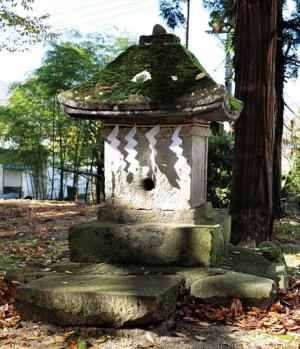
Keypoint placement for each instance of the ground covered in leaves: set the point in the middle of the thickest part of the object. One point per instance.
(35, 233)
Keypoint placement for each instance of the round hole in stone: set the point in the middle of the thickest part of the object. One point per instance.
(148, 184)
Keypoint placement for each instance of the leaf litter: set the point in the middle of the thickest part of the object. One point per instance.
(47, 220)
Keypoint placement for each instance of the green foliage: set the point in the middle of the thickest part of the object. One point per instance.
(25, 122)
(10, 156)
(37, 128)
(64, 66)
(221, 14)
(171, 11)
(286, 230)
(21, 30)
(219, 172)
(272, 253)
(293, 178)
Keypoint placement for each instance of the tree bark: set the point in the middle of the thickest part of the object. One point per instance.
(279, 85)
(255, 52)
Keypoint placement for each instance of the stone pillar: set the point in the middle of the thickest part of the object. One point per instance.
(161, 167)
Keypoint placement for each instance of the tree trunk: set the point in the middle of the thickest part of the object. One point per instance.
(255, 51)
(62, 163)
(279, 85)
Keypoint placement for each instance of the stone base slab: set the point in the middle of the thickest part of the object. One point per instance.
(73, 294)
(221, 289)
(71, 300)
(151, 244)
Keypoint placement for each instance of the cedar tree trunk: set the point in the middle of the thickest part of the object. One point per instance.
(279, 85)
(255, 53)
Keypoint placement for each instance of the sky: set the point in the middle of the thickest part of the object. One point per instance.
(136, 17)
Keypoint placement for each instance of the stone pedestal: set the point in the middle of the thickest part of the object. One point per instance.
(162, 243)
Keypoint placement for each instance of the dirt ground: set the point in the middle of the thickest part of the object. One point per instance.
(35, 233)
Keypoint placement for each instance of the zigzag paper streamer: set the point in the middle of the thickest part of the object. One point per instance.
(132, 153)
(152, 141)
(176, 147)
(115, 155)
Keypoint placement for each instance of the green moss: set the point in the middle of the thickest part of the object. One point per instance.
(234, 103)
(287, 230)
(273, 254)
(162, 61)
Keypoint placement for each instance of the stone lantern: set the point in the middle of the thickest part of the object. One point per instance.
(156, 230)
(155, 101)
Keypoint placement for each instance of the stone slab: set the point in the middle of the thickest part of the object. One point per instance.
(250, 289)
(190, 275)
(70, 300)
(149, 244)
(249, 261)
(244, 261)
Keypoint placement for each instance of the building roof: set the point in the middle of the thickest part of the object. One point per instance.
(157, 81)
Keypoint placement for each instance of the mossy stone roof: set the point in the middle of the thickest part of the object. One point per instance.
(158, 79)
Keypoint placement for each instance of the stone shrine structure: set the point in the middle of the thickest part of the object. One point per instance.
(156, 231)
(155, 102)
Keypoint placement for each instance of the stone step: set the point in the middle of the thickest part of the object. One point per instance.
(70, 300)
(203, 244)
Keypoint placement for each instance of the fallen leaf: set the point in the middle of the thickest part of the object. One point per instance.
(200, 76)
(200, 338)
(104, 88)
(296, 285)
(68, 334)
(57, 346)
(174, 77)
(181, 335)
(73, 344)
(204, 324)
(103, 339)
(256, 309)
(277, 307)
(150, 338)
(231, 335)
(59, 338)
(236, 307)
(145, 345)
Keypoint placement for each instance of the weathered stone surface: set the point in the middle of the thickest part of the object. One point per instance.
(252, 262)
(155, 39)
(99, 300)
(251, 290)
(198, 215)
(181, 187)
(159, 244)
(162, 100)
(190, 275)
(281, 273)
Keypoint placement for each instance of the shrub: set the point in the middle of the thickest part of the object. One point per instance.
(219, 172)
